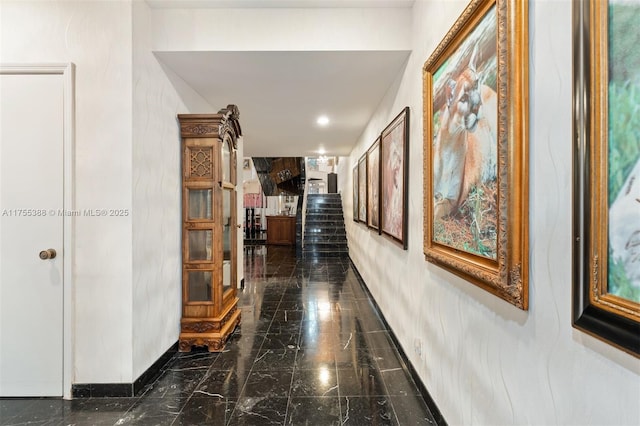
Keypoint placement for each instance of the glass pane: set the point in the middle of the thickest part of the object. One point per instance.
(199, 286)
(200, 244)
(226, 161)
(200, 203)
(226, 275)
(227, 227)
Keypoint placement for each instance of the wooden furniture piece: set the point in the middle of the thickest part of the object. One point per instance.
(281, 230)
(209, 255)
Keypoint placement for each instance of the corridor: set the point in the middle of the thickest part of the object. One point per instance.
(311, 349)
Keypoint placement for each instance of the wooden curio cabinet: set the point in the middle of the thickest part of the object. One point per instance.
(209, 256)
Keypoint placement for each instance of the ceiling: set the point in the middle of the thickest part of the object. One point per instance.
(281, 94)
(277, 3)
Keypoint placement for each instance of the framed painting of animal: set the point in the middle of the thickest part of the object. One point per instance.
(606, 252)
(373, 188)
(394, 166)
(362, 189)
(355, 193)
(476, 149)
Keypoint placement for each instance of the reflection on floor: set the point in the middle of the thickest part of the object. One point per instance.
(310, 350)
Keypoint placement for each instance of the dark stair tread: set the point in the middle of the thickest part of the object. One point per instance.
(314, 209)
(324, 249)
(325, 231)
(326, 243)
(340, 240)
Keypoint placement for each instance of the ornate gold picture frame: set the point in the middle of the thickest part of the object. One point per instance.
(606, 257)
(476, 149)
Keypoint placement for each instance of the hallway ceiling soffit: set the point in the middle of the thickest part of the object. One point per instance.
(281, 94)
(206, 4)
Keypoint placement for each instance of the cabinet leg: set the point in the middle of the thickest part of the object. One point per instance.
(214, 345)
(185, 345)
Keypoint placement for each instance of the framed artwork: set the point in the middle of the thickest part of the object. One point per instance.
(312, 164)
(476, 149)
(373, 187)
(394, 166)
(362, 189)
(355, 193)
(245, 164)
(606, 253)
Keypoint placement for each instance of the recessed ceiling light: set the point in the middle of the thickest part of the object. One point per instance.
(321, 151)
(323, 120)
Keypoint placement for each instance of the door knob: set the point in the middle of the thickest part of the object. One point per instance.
(47, 254)
(239, 226)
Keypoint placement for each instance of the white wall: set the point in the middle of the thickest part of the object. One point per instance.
(484, 361)
(281, 29)
(157, 267)
(158, 96)
(96, 36)
(127, 269)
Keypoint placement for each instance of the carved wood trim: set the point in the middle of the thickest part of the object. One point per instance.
(198, 130)
(200, 327)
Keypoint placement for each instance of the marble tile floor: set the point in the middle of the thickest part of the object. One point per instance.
(311, 349)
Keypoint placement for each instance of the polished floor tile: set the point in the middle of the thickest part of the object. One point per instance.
(311, 349)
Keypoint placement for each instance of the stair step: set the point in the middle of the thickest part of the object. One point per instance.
(322, 208)
(325, 253)
(315, 217)
(324, 241)
(313, 211)
(325, 248)
(324, 229)
(335, 213)
(343, 247)
(321, 238)
(324, 201)
(323, 226)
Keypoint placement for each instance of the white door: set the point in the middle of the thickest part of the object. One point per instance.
(31, 221)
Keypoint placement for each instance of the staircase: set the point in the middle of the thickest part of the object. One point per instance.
(324, 233)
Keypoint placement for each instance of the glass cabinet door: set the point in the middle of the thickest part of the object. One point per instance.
(228, 238)
(226, 160)
(228, 215)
